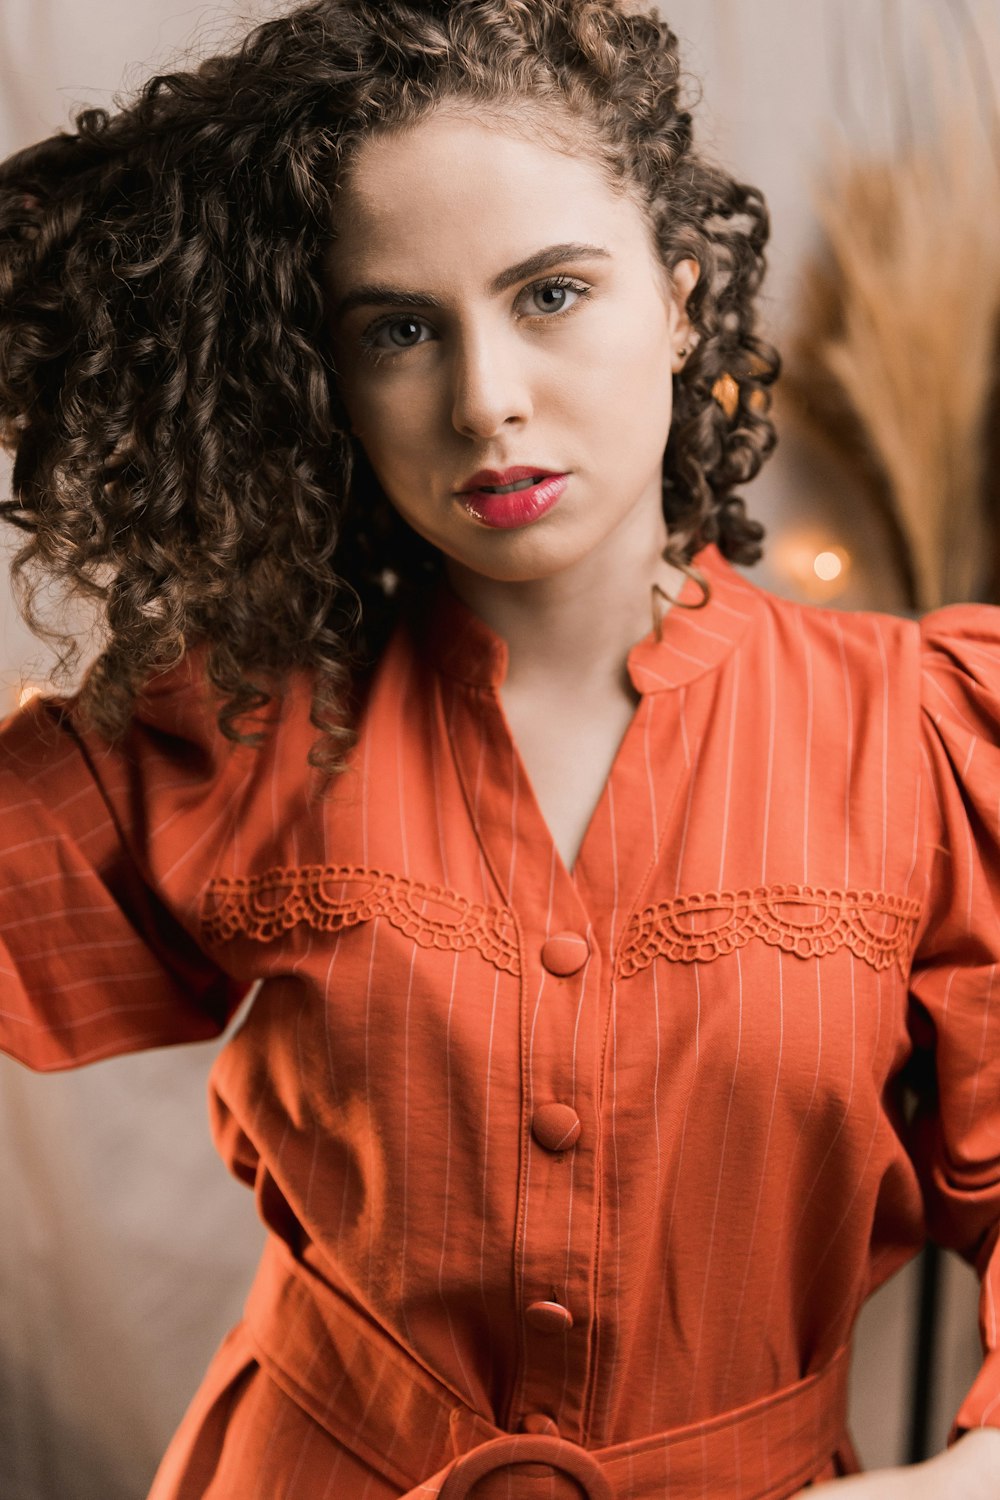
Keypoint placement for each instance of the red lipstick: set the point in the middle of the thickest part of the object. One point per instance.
(515, 507)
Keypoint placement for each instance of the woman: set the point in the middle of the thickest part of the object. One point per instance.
(625, 1015)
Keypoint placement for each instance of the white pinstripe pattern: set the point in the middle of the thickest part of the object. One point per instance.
(698, 1345)
(72, 913)
(657, 1127)
(978, 1070)
(884, 663)
(376, 932)
(793, 1155)
(613, 1356)
(467, 1380)
(401, 800)
(484, 1200)
(650, 779)
(848, 1206)
(727, 1371)
(772, 719)
(844, 1117)
(388, 1088)
(484, 873)
(807, 796)
(406, 1212)
(691, 783)
(723, 842)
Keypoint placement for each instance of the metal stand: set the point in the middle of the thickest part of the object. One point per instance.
(924, 1354)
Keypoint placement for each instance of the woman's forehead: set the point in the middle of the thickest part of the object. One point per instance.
(452, 151)
(449, 183)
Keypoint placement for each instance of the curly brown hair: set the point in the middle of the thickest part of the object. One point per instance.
(166, 384)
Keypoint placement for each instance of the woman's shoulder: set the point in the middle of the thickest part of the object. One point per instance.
(797, 635)
(960, 671)
(182, 698)
(936, 677)
(954, 639)
(176, 738)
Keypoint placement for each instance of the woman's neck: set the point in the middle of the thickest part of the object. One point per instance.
(575, 627)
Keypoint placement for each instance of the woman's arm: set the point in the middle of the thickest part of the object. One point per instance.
(103, 852)
(968, 1470)
(952, 1136)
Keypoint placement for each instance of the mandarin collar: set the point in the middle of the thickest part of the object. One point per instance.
(690, 642)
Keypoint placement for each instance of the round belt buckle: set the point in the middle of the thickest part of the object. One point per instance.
(502, 1452)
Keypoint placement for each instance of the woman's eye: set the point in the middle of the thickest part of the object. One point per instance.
(400, 333)
(396, 335)
(555, 291)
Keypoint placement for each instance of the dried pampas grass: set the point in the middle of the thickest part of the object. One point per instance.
(895, 355)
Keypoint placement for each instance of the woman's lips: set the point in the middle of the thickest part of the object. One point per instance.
(517, 508)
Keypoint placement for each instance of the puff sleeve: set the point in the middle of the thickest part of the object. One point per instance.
(100, 853)
(955, 976)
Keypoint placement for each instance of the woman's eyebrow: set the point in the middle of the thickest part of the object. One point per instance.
(374, 293)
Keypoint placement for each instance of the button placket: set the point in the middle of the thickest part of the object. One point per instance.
(559, 1232)
(555, 1237)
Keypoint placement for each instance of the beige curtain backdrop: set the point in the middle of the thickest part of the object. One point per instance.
(125, 1249)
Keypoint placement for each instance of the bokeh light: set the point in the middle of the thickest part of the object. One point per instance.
(827, 566)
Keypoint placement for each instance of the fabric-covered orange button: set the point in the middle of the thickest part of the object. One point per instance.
(538, 1421)
(549, 1317)
(565, 952)
(555, 1126)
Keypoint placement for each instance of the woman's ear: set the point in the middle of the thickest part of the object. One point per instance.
(683, 279)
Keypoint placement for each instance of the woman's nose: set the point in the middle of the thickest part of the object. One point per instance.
(490, 385)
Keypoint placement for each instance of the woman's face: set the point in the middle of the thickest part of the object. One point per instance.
(455, 355)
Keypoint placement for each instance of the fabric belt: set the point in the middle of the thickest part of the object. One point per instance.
(378, 1399)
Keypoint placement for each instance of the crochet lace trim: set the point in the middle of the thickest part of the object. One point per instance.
(808, 921)
(802, 919)
(331, 898)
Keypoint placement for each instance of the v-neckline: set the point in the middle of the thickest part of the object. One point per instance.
(610, 868)
(529, 790)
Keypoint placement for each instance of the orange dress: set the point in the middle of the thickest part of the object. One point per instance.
(575, 1180)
